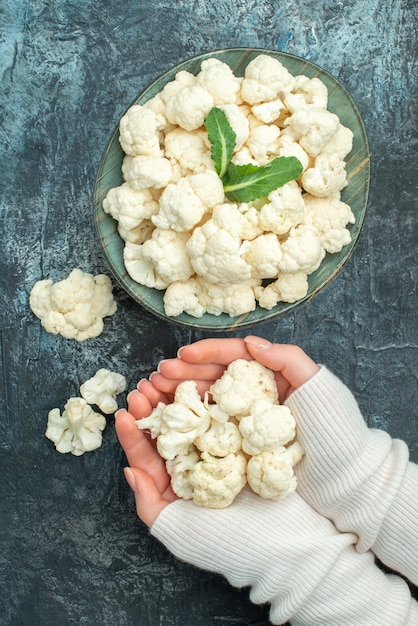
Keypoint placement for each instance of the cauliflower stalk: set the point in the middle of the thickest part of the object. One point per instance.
(238, 434)
(186, 232)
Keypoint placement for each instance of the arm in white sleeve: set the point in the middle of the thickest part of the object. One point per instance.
(289, 556)
(356, 476)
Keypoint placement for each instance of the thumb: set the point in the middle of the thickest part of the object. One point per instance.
(295, 366)
(149, 502)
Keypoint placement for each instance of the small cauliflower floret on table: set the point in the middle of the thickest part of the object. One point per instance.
(242, 383)
(189, 107)
(217, 481)
(263, 143)
(129, 206)
(103, 388)
(218, 79)
(289, 287)
(73, 307)
(264, 256)
(271, 475)
(188, 151)
(143, 172)
(215, 248)
(166, 250)
(327, 177)
(140, 131)
(140, 269)
(77, 430)
(265, 79)
(231, 298)
(329, 216)
(183, 204)
(313, 128)
(268, 426)
(302, 250)
(285, 209)
(307, 91)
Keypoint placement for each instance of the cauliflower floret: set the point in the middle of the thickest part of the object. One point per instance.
(142, 172)
(139, 234)
(288, 147)
(181, 296)
(264, 256)
(189, 107)
(189, 150)
(238, 122)
(182, 79)
(215, 252)
(270, 474)
(183, 204)
(140, 269)
(249, 219)
(285, 209)
(129, 206)
(342, 142)
(289, 287)
(217, 481)
(265, 79)
(171, 444)
(329, 216)
(218, 79)
(302, 250)
(73, 307)
(166, 250)
(140, 131)
(77, 430)
(241, 384)
(221, 439)
(103, 388)
(313, 128)
(179, 470)
(263, 143)
(268, 112)
(153, 422)
(267, 427)
(307, 91)
(327, 177)
(233, 299)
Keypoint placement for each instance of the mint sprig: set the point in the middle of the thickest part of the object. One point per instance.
(244, 183)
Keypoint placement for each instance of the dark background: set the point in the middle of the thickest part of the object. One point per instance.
(72, 550)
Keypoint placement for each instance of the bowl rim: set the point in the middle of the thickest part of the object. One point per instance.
(268, 315)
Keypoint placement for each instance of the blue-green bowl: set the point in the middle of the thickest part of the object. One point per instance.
(355, 194)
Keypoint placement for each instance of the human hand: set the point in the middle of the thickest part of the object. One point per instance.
(204, 361)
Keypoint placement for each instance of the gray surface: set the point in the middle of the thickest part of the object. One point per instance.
(72, 551)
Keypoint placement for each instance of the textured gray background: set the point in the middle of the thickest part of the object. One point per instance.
(72, 550)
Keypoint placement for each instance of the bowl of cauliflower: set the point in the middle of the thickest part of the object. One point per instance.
(233, 189)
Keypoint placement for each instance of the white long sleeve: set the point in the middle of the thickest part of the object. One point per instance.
(358, 477)
(289, 556)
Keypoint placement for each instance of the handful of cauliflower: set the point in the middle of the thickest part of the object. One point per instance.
(183, 235)
(212, 449)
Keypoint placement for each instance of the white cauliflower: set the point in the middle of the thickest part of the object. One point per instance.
(242, 383)
(140, 131)
(313, 128)
(285, 209)
(264, 256)
(302, 250)
(265, 79)
(289, 287)
(232, 298)
(166, 251)
(238, 122)
(263, 143)
(268, 426)
(268, 112)
(142, 172)
(188, 150)
(103, 388)
(218, 79)
(330, 217)
(129, 206)
(77, 430)
(327, 177)
(189, 107)
(307, 91)
(181, 296)
(221, 439)
(217, 481)
(73, 307)
(140, 269)
(270, 474)
(179, 470)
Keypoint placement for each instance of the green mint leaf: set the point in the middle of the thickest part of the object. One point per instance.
(244, 183)
(222, 138)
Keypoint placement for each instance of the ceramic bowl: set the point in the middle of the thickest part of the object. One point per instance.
(355, 194)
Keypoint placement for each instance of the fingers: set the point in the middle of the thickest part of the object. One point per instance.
(151, 393)
(139, 450)
(215, 350)
(149, 501)
(182, 370)
(294, 365)
(168, 386)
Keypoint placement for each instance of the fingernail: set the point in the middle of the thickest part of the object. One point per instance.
(119, 412)
(128, 397)
(143, 380)
(130, 478)
(159, 364)
(258, 342)
(151, 376)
